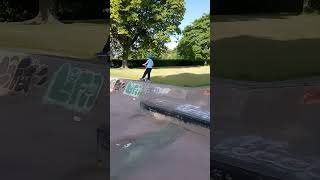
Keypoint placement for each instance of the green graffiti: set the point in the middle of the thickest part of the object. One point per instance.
(74, 88)
(133, 89)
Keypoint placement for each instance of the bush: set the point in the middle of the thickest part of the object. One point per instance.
(315, 4)
(17, 10)
(14, 10)
(160, 63)
(116, 63)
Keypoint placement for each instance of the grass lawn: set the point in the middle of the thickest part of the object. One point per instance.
(80, 40)
(179, 76)
(266, 48)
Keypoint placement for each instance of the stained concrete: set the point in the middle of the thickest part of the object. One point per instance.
(273, 114)
(147, 146)
(42, 141)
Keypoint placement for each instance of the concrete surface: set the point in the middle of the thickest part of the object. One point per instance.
(146, 145)
(179, 109)
(191, 105)
(41, 140)
(267, 130)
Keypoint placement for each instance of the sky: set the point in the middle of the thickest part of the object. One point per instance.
(194, 10)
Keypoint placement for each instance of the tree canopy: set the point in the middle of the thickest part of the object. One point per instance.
(171, 54)
(138, 26)
(195, 41)
(17, 10)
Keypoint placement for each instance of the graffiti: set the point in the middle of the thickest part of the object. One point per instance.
(205, 92)
(18, 75)
(133, 89)
(194, 110)
(119, 85)
(74, 88)
(161, 91)
(112, 82)
(116, 85)
(311, 96)
(150, 91)
(265, 152)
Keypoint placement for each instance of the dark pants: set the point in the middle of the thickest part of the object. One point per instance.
(106, 47)
(147, 71)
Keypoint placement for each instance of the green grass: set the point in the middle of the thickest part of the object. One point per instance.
(80, 40)
(178, 76)
(266, 48)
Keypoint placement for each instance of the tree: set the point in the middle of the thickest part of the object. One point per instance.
(46, 13)
(195, 41)
(138, 26)
(310, 6)
(171, 54)
(306, 6)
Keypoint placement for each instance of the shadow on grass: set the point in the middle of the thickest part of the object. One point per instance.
(248, 17)
(183, 79)
(165, 67)
(92, 21)
(262, 59)
(174, 67)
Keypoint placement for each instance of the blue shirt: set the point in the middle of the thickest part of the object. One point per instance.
(149, 63)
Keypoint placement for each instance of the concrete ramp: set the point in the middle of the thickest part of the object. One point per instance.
(190, 105)
(272, 134)
(50, 110)
(147, 145)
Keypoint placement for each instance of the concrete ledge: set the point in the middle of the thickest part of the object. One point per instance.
(185, 112)
(253, 156)
(311, 81)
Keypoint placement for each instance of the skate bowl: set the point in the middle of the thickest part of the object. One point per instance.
(266, 131)
(148, 145)
(51, 109)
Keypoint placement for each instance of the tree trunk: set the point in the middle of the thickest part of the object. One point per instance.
(125, 58)
(125, 61)
(46, 13)
(125, 64)
(307, 6)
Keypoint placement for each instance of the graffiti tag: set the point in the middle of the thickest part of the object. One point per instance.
(152, 91)
(74, 88)
(311, 96)
(257, 149)
(116, 85)
(17, 75)
(133, 89)
(206, 92)
(194, 110)
(161, 91)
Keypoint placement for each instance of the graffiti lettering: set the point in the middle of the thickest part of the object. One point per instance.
(151, 91)
(116, 85)
(159, 90)
(18, 75)
(311, 96)
(74, 88)
(133, 89)
(112, 83)
(256, 149)
(206, 92)
(194, 110)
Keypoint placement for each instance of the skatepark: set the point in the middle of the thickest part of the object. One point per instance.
(146, 143)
